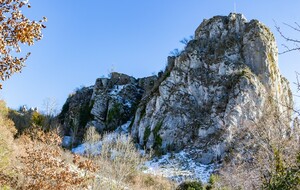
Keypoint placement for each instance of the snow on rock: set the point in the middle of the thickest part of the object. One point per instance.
(124, 129)
(203, 102)
(179, 167)
(117, 89)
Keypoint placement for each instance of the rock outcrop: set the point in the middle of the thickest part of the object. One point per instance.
(219, 85)
(106, 105)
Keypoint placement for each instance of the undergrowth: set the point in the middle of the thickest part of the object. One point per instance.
(35, 160)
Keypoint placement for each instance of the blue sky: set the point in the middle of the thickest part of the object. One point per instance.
(87, 39)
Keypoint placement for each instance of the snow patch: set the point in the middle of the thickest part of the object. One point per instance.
(174, 166)
(123, 129)
(88, 148)
(179, 167)
(117, 89)
(95, 148)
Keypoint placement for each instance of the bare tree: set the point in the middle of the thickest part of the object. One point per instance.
(255, 150)
(50, 107)
(293, 44)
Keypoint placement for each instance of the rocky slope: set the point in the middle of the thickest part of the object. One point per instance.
(218, 85)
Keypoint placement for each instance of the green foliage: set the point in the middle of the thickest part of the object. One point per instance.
(37, 119)
(114, 113)
(157, 138)
(211, 182)
(284, 177)
(64, 110)
(21, 120)
(85, 114)
(190, 185)
(143, 112)
(25, 120)
(146, 134)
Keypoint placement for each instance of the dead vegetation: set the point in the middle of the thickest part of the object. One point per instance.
(259, 150)
(35, 160)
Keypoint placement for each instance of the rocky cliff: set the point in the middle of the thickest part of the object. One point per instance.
(106, 105)
(218, 85)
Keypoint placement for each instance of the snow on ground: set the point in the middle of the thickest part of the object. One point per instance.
(88, 148)
(178, 167)
(175, 166)
(117, 89)
(95, 148)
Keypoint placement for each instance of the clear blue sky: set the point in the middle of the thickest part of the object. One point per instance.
(84, 40)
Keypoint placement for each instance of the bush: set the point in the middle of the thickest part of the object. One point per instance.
(26, 120)
(21, 120)
(44, 168)
(190, 185)
(284, 177)
(252, 162)
(119, 159)
(37, 119)
(7, 131)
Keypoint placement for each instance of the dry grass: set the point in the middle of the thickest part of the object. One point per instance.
(119, 165)
(7, 130)
(253, 160)
(35, 160)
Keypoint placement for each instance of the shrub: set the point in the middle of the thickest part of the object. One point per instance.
(157, 139)
(21, 120)
(114, 113)
(43, 168)
(284, 177)
(85, 114)
(146, 135)
(7, 130)
(37, 119)
(119, 159)
(190, 185)
(272, 146)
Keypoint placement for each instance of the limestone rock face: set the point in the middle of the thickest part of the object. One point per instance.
(216, 87)
(106, 105)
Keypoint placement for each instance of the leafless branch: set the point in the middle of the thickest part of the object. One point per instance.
(297, 28)
(295, 42)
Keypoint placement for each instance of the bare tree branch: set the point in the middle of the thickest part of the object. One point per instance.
(295, 42)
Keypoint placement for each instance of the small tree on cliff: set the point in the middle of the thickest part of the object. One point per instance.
(15, 29)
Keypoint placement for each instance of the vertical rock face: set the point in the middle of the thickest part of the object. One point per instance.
(106, 105)
(216, 87)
